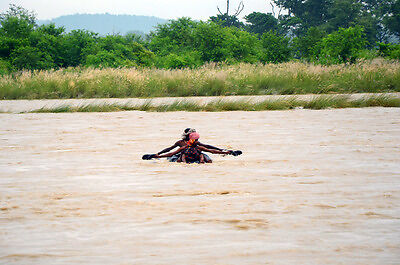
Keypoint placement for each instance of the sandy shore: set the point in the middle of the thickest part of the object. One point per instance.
(18, 106)
(312, 187)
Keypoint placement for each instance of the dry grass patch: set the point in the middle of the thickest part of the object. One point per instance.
(210, 80)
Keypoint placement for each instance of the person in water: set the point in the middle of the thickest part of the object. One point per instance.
(183, 142)
(192, 151)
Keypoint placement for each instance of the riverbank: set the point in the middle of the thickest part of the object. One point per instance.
(226, 103)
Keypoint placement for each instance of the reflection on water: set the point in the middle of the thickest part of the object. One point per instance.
(312, 187)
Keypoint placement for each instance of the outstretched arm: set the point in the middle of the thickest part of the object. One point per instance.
(209, 146)
(172, 153)
(202, 148)
(168, 149)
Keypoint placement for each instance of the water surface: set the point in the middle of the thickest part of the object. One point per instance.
(312, 187)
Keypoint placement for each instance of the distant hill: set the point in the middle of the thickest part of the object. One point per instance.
(106, 23)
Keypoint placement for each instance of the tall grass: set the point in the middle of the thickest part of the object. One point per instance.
(318, 102)
(210, 80)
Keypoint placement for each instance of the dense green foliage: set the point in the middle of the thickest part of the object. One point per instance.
(391, 51)
(25, 45)
(342, 46)
(323, 32)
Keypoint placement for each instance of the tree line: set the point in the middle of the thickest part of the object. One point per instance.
(317, 31)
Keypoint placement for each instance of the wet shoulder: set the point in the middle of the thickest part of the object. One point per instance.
(181, 143)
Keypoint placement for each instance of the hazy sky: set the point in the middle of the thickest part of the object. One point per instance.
(170, 9)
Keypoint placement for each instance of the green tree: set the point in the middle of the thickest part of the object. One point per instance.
(392, 17)
(51, 29)
(30, 58)
(184, 43)
(309, 12)
(5, 67)
(245, 46)
(227, 21)
(308, 45)
(343, 14)
(104, 58)
(16, 25)
(365, 13)
(212, 41)
(342, 46)
(291, 26)
(17, 22)
(76, 47)
(175, 36)
(116, 51)
(375, 16)
(260, 23)
(20, 38)
(276, 48)
(24, 44)
(389, 50)
(186, 59)
(48, 39)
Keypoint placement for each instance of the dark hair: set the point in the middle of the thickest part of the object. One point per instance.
(186, 130)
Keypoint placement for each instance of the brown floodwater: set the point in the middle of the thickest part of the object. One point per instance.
(312, 187)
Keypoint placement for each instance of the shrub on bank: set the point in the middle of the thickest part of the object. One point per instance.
(342, 46)
(389, 50)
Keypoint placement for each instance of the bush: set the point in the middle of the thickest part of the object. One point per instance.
(75, 45)
(213, 42)
(275, 48)
(342, 46)
(184, 43)
(172, 37)
(105, 59)
(5, 67)
(391, 51)
(307, 46)
(178, 61)
(245, 46)
(31, 58)
(116, 51)
(367, 54)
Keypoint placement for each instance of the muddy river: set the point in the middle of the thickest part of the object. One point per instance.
(312, 187)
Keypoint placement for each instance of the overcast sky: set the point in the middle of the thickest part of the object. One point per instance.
(169, 9)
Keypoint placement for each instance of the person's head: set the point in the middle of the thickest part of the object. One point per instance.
(186, 132)
(193, 138)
